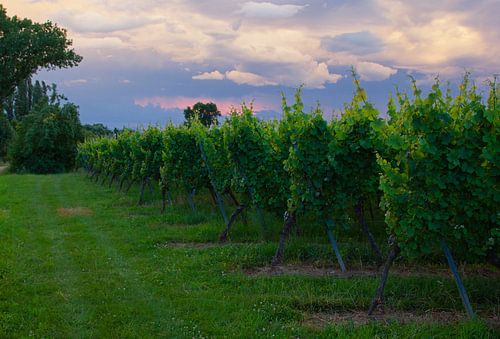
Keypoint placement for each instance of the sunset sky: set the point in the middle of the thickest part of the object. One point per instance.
(146, 60)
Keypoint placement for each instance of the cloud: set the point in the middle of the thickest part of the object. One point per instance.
(93, 43)
(235, 25)
(268, 10)
(225, 105)
(440, 36)
(248, 78)
(237, 76)
(215, 75)
(260, 43)
(359, 43)
(220, 34)
(75, 82)
(371, 71)
(315, 75)
(311, 74)
(89, 21)
(287, 57)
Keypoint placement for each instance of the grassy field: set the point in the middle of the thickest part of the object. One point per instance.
(78, 259)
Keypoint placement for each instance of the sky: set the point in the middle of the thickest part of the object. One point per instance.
(147, 60)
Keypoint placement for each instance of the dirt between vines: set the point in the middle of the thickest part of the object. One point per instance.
(320, 320)
(74, 211)
(196, 245)
(313, 271)
(193, 245)
(308, 269)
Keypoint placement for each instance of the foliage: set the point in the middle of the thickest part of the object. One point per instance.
(258, 169)
(117, 151)
(211, 141)
(96, 131)
(182, 164)
(26, 46)
(151, 148)
(29, 95)
(307, 165)
(440, 182)
(206, 113)
(434, 164)
(46, 140)
(357, 139)
(6, 135)
(105, 154)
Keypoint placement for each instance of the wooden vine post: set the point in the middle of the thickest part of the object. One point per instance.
(333, 242)
(461, 288)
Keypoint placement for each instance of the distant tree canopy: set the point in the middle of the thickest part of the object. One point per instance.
(27, 96)
(26, 46)
(46, 140)
(206, 113)
(96, 131)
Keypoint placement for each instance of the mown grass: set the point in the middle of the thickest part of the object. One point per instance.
(110, 271)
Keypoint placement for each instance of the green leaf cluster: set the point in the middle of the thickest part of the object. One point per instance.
(258, 169)
(26, 46)
(440, 177)
(182, 164)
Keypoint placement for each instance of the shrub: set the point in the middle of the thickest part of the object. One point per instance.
(6, 135)
(46, 140)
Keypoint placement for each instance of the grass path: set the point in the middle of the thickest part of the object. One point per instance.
(80, 260)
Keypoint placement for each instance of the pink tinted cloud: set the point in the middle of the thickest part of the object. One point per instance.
(223, 104)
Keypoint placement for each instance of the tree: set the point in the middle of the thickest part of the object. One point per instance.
(22, 101)
(27, 96)
(26, 46)
(6, 134)
(46, 140)
(96, 131)
(206, 113)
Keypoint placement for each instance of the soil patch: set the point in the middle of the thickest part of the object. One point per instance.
(74, 211)
(320, 320)
(314, 271)
(195, 245)
(3, 168)
(308, 270)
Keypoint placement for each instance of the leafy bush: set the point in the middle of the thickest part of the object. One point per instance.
(259, 171)
(6, 135)
(46, 140)
(182, 165)
(440, 181)
(96, 131)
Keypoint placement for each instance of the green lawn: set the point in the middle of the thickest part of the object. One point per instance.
(78, 259)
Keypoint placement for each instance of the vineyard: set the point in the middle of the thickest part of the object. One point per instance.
(431, 168)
